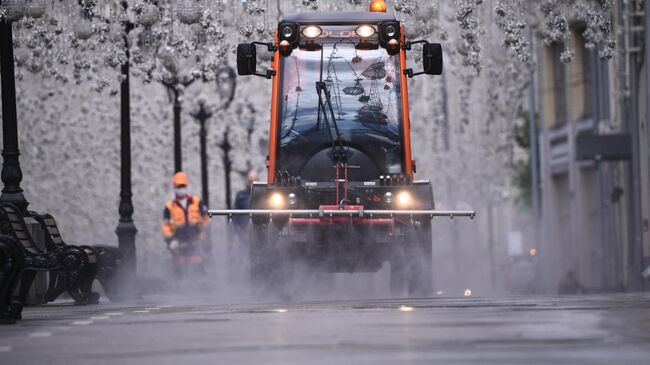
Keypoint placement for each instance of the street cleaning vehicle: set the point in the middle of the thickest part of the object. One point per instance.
(341, 195)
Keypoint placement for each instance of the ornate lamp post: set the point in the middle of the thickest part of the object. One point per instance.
(11, 173)
(126, 229)
(202, 116)
(175, 96)
(227, 164)
(226, 86)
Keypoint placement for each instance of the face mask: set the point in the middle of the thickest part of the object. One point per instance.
(180, 192)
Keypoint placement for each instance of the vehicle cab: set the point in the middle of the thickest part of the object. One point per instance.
(340, 127)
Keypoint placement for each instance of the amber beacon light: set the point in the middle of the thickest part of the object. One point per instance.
(378, 6)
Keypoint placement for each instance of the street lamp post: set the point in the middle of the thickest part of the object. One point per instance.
(126, 229)
(11, 173)
(202, 116)
(227, 164)
(175, 95)
(226, 86)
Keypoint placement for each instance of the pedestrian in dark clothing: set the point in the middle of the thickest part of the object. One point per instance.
(243, 201)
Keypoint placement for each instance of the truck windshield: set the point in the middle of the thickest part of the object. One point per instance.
(365, 97)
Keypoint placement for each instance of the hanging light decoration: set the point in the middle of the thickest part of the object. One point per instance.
(35, 8)
(406, 6)
(148, 15)
(13, 10)
(83, 28)
(189, 11)
(310, 4)
(169, 60)
(257, 9)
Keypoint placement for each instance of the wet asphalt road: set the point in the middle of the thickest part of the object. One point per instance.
(593, 329)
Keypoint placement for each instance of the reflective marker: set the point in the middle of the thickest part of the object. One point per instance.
(281, 310)
(406, 308)
(82, 323)
(468, 293)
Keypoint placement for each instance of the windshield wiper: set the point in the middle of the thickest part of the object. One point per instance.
(337, 145)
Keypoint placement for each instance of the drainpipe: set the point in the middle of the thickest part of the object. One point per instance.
(606, 257)
(635, 242)
(645, 228)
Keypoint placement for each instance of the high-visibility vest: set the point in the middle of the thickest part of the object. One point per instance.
(183, 223)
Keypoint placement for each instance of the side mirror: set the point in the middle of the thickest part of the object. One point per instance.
(432, 58)
(247, 59)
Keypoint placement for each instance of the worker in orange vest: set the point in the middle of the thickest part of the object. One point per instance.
(185, 219)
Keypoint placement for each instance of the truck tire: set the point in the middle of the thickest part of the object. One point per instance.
(411, 266)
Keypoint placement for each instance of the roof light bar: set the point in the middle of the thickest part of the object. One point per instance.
(377, 6)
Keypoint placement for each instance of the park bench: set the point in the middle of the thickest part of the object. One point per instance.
(70, 261)
(9, 273)
(104, 262)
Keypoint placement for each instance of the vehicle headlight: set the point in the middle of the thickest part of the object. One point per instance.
(390, 30)
(311, 31)
(365, 31)
(388, 197)
(404, 199)
(287, 31)
(276, 200)
(293, 199)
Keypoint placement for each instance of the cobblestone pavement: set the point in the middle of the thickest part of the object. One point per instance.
(589, 329)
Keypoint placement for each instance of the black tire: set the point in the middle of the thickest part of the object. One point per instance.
(411, 262)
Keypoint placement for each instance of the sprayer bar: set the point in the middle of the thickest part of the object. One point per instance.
(349, 213)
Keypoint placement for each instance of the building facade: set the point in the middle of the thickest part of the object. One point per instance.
(593, 161)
